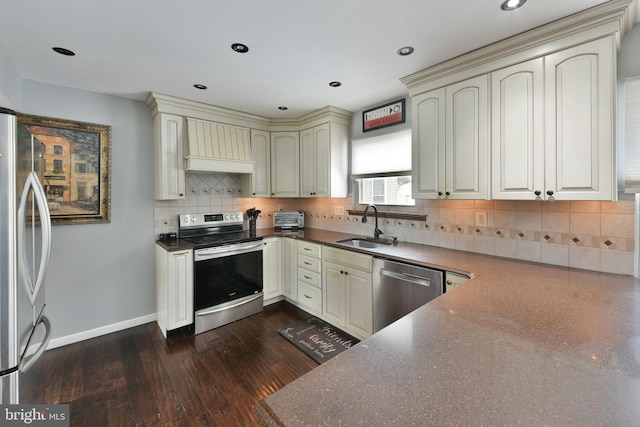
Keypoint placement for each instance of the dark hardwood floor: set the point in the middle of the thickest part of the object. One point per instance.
(137, 378)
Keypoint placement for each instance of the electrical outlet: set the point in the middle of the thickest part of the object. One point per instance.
(481, 219)
(338, 210)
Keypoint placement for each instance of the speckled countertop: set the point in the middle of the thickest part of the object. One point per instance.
(519, 344)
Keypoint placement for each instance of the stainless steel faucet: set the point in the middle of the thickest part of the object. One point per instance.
(376, 230)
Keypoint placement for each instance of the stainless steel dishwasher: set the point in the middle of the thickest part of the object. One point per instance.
(400, 288)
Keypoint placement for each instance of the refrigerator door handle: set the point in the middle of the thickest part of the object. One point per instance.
(27, 362)
(45, 223)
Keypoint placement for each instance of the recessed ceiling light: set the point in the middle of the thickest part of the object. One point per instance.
(283, 108)
(335, 84)
(63, 51)
(512, 4)
(404, 51)
(199, 86)
(240, 48)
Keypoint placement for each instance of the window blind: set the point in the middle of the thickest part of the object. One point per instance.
(632, 135)
(381, 154)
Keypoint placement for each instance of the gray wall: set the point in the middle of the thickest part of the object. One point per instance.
(103, 274)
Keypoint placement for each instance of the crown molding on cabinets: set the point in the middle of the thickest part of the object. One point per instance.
(159, 103)
(615, 18)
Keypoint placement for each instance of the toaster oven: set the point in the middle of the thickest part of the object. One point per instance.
(288, 220)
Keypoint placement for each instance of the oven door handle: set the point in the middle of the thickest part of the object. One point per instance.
(220, 251)
(217, 310)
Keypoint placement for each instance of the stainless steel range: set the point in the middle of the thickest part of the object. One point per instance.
(227, 268)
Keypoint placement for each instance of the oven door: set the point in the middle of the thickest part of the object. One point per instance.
(227, 284)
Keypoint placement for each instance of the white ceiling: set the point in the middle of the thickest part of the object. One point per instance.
(131, 47)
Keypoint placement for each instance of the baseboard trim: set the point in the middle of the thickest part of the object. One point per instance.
(103, 330)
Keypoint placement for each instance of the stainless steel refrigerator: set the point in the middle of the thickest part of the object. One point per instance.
(25, 242)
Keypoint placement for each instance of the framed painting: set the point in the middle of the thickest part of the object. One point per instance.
(76, 167)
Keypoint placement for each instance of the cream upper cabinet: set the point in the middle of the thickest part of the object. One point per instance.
(285, 164)
(450, 141)
(579, 112)
(323, 161)
(258, 184)
(169, 158)
(315, 162)
(517, 132)
(428, 156)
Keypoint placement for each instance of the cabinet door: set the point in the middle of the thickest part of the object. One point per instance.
(272, 276)
(285, 164)
(334, 294)
(517, 134)
(180, 289)
(359, 309)
(169, 157)
(289, 269)
(307, 163)
(467, 161)
(428, 145)
(579, 137)
(322, 154)
(261, 150)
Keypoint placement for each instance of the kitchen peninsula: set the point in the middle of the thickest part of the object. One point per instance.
(520, 343)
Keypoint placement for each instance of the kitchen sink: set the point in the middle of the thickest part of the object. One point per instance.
(365, 243)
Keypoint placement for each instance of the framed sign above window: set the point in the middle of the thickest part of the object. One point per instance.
(385, 115)
(75, 169)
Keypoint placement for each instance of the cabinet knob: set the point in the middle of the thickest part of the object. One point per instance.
(537, 192)
(549, 193)
(449, 282)
(439, 193)
(448, 193)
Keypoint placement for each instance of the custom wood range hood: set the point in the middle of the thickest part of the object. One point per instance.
(215, 147)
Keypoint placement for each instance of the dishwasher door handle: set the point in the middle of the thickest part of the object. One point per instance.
(406, 277)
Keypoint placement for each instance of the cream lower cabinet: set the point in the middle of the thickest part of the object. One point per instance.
(272, 270)
(552, 129)
(309, 276)
(451, 141)
(289, 268)
(174, 289)
(347, 291)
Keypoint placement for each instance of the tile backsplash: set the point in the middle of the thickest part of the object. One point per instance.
(589, 235)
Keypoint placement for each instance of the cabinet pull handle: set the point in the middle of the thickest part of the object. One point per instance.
(307, 263)
(307, 249)
(307, 296)
(307, 277)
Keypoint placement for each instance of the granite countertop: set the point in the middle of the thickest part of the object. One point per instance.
(519, 343)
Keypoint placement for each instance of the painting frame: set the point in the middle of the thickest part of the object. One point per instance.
(389, 114)
(76, 171)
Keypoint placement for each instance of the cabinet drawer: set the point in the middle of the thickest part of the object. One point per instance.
(309, 263)
(309, 249)
(309, 277)
(310, 297)
(348, 258)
